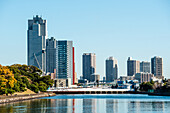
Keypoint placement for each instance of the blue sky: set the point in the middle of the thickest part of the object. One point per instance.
(118, 28)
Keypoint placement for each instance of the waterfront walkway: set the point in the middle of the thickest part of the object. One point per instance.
(8, 99)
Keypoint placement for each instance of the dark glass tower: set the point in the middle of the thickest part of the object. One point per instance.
(36, 42)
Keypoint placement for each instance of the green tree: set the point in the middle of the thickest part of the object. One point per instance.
(34, 88)
(26, 77)
(152, 82)
(11, 91)
(7, 79)
(47, 80)
(146, 86)
(25, 80)
(16, 88)
(42, 86)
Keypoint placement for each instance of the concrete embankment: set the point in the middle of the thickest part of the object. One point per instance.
(150, 93)
(8, 99)
(160, 94)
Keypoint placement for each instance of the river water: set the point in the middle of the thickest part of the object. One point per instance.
(111, 103)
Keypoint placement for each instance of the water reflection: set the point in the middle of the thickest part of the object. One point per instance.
(111, 106)
(87, 106)
(146, 106)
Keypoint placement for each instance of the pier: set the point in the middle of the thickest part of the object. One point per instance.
(89, 91)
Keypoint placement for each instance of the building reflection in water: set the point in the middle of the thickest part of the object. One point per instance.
(73, 103)
(139, 106)
(64, 105)
(157, 106)
(111, 106)
(86, 106)
(100, 105)
(133, 106)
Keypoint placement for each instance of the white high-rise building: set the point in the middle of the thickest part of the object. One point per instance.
(36, 39)
(111, 69)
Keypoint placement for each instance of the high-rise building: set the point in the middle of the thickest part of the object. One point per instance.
(50, 55)
(36, 42)
(157, 66)
(143, 77)
(145, 67)
(89, 65)
(133, 67)
(111, 69)
(64, 60)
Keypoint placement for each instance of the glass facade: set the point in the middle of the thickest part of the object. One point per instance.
(50, 55)
(36, 39)
(157, 66)
(89, 65)
(64, 59)
(145, 67)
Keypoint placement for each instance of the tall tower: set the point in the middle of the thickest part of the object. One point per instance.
(64, 59)
(50, 55)
(89, 65)
(111, 69)
(157, 66)
(36, 39)
(133, 67)
(145, 67)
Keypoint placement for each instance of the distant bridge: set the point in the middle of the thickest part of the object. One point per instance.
(89, 91)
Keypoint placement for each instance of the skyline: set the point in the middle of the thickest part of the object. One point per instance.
(99, 22)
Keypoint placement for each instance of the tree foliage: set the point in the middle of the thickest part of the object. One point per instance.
(16, 78)
(145, 86)
(7, 80)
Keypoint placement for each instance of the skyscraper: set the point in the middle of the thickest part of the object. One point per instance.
(50, 55)
(133, 67)
(89, 65)
(145, 67)
(157, 66)
(111, 69)
(36, 39)
(64, 59)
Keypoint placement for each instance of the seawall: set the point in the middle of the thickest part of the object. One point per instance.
(8, 99)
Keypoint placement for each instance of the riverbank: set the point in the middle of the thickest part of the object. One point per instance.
(15, 98)
(149, 93)
(159, 94)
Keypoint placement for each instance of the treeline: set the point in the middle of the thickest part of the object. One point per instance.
(145, 86)
(155, 86)
(16, 78)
